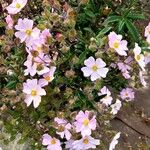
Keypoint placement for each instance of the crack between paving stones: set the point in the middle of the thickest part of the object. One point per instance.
(131, 127)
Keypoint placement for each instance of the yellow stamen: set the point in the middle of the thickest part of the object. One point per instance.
(138, 57)
(86, 122)
(53, 141)
(18, 5)
(28, 32)
(47, 78)
(85, 141)
(94, 68)
(33, 93)
(39, 48)
(116, 44)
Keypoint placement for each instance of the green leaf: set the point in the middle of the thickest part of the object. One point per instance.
(90, 13)
(82, 56)
(104, 31)
(132, 30)
(11, 84)
(121, 25)
(111, 19)
(135, 16)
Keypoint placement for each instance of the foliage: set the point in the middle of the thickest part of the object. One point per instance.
(84, 34)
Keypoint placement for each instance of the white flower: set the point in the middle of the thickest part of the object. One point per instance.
(116, 107)
(16, 6)
(85, 123)
(33, 92)
(51, 143)
(114, 142)
(116, 43)
(86, 142)
(107, 99)
(94, 68)
(26, 32)
(139, 57)
(47, 77)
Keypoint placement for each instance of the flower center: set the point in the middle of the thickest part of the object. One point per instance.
(18, 5)
(86, 122)
(35, 53)
(94, 68)
(116, 44)
(53, 141)
(126, 94)
(85, 141)
(33, 93)
(138, 57)
(40, 67)
(47, 78)
(61, 128)
(28, 32)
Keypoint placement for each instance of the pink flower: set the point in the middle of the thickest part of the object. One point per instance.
(116, 43)
(147, 33)
(147, 57)
(16, 6)
(33, 92)
(127, 94)
(25, 31)
(86, 142)
(64, 128)
(51, 143)
(114, 141)
(69, 144)
(115, 107)
(48, 77)
(143, 82)
(94, 68)
(84, 124)
(33, 68)
(45, 35)
(107, 99)
(139, 57)
(9, 22)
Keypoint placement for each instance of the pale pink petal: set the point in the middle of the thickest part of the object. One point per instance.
(86, 71)
(36, 101)
(103, 72)
(89, 62)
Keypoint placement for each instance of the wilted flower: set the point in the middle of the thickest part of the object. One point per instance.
(116, 107)
(63, 128)
(86, 142)
(94, 68)
(16, 6)
(51, 143)
(139, 57)
(124, 69)
(116, 43)
(33, 92)
(127, 94)
(9, 22)
(25, 31)
(143, 82)
(107, 99)
(114, 142)
(84, 123)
